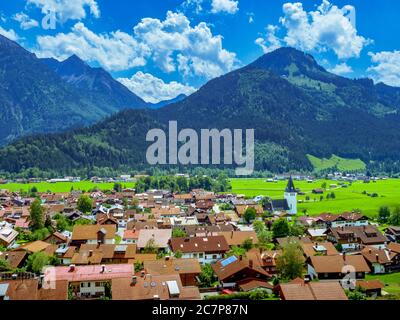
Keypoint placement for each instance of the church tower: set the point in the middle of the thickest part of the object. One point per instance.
(291, 197)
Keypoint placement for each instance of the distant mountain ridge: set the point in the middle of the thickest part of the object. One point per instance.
(296, 107)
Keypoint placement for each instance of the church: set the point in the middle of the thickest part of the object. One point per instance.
(288, 204)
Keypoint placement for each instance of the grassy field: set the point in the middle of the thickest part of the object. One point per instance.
(391, 281)
(340, 163)
(346, 199)
(62, 186)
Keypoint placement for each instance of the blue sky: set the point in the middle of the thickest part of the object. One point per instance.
(161, 48)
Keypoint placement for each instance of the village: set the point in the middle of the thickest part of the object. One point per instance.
(199, 245)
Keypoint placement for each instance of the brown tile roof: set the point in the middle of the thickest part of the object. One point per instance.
(225, 271)
(313, 291)
(172, 266)
(311, 249)
(204, 230)
(14, 258)
(147, 288)
(89, 232)
(95, 254)
(395, 247)
(200, 244)
(335, 264)
(33, 247)
(374, 255)
(241, 208)
(160, 236)
(370, 284)
(367, 235)
(251, 284)
(28, 289)
(236, 238)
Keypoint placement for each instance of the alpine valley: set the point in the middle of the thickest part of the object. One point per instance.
(296, 107)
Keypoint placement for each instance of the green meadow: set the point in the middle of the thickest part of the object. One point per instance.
(62, 186)
(346, 199)
(341, 164)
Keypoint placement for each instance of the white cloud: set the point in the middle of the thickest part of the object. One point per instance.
(195, 5)
(386, 67)
(271, 42)
(175, 45)
(341, 69)
(227, 6)
(114, 51)
(10, 34)
(154, 90)
(25, 21)
(67, 9)
(327, 28)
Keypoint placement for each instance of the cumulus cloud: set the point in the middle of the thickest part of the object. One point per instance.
(386, 67)
(176, 45)
(271, 42)
(68, 9)
(226, 6)
(10, 34)
(341, 69)
(152, 89)
(115, 51)
(327, 28)
(25, 21)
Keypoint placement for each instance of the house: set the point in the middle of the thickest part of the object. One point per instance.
(236, 238)
(383, 260)
(15, 259)
(166, 211)
(203, 231)
(299, 289)
(90, 281)
(130, 236)
(370, 287)
(319, 248)
(159, 237)
(187, 269)
(56, 238)
(233, 269)
(205, 249)
(393, 233)
(337, 266)
(347, 219)
(355, 238)
(65, 253)
(32, 289)
(93, 234)
(152, 287)
(106, 219)
(251, 284)
(267, 259)
(8, 236)
(36, 246)
(241, 209)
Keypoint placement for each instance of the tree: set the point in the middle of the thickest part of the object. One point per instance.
(236, 251)
(395, 217)
(264, 239)
(150, 247)
(178, 233)
(280, 228)
(37, 261)
(250, 214)
(333, 196)
(4, 265)
(247, 244)
(297, 230)
(323, 185)
(291, 262)
(384, 214)
(206, 277)
(178, 254)
(85, 204)
(37, 215)
(258, 226)
(34, 189)
(117, 187)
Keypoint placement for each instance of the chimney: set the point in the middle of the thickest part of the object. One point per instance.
(72, 268)
(344, 256)
(370, 251)
(134, 280)
(251, 263)
(167, 258)
(6, 256)
(103, 268)
(231, 234)
(377, 257)
(142, 274)
(90, 253)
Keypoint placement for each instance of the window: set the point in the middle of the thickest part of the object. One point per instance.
(214, 256)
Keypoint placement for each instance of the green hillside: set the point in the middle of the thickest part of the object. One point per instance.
(339, 163)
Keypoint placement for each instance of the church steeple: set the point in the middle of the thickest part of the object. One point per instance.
(290, 186)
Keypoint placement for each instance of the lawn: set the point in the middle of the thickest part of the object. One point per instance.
(391, 281)
(346, 199)
(62, 186)
(341, 164)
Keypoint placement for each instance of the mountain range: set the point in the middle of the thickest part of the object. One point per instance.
(46, 95)
(296, 107)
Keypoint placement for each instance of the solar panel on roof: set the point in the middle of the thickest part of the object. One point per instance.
(228, 261)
